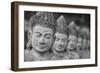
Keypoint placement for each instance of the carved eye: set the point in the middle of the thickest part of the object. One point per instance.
(48, 36)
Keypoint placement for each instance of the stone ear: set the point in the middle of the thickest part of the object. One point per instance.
(29, 36)
(29, 43)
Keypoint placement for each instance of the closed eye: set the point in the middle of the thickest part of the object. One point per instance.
(64, 39)
(38, 34)
(48, 36)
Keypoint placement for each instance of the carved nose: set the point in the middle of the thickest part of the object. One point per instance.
(42, 41)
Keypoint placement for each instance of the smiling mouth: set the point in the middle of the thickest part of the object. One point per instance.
(58, 50)
(41, 46)
(60, 47)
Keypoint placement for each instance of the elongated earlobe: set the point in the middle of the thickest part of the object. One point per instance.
(29, 44)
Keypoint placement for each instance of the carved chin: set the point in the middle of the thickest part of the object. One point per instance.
(41, 49)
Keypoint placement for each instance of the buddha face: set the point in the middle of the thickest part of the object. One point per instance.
(79, 43)
(72, 40)
(60, 42)
(85, 43)
(42, 38)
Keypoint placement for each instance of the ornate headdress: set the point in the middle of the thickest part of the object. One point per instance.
(44, 19)
(61, 25)
(72, 28)
(85, 32)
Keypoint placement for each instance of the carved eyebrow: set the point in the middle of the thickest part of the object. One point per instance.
(38, 33)
(48, 34)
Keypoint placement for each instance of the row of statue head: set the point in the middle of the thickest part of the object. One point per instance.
(47, 19)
